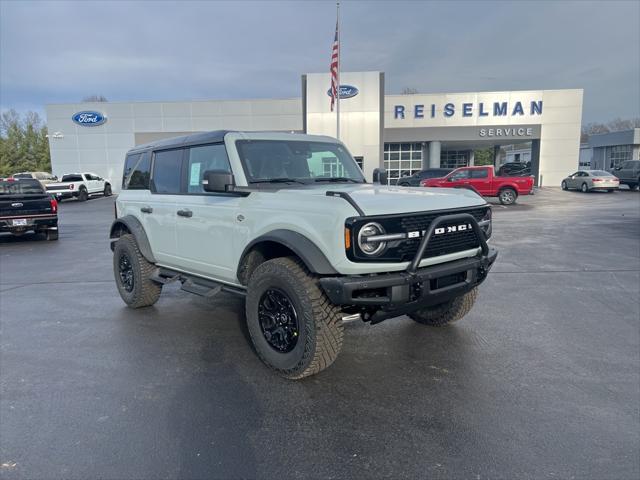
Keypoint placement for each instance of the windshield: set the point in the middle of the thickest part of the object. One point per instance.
(600, 173)
(22, 175)
(20, 187)
(297, 161)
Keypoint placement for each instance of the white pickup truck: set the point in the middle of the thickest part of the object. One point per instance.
(80, 186)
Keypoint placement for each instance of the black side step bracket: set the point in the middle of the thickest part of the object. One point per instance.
(193, 284)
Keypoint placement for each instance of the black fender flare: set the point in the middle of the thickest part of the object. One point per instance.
(305, 249)
(133, 225)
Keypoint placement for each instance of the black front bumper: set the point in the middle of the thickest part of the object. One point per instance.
(397, 293)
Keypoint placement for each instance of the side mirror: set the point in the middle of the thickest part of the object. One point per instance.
(380, 176)
(218, 181)
(618, 168)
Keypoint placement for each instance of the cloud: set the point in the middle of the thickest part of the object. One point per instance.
(61, 51)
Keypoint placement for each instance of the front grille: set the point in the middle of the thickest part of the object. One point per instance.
(440, 244)
(405, 250)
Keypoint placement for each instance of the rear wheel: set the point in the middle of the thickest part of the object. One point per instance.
(507, 196)
(51, 235)
(107, 190)
(83, 196)
(584, 188)
(564, 185)
(133, 274)
(447, 312)
(294, 328)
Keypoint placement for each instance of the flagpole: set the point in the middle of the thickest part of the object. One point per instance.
(338, 75)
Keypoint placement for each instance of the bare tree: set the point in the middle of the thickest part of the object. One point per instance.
(95, 98)
(616, 125)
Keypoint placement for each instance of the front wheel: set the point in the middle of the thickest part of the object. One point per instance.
(564, 185)
(133, 274)
(447, 312)
(294, 328)
(107, 190)
(507, 196)
(584, 188)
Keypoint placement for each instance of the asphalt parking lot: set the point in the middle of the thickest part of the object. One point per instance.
(540, 380)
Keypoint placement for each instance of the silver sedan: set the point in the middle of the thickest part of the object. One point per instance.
(588, 180)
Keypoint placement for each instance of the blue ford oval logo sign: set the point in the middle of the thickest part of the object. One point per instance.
(346, 91)
(89, 119)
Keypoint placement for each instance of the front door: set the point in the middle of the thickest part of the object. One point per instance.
(207, 222)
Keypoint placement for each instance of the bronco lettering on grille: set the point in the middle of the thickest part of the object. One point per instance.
(442, 230)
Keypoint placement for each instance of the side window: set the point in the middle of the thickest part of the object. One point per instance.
(140, 172)
(201, 159)
(480, 173)
(167, 169)
(461, 175)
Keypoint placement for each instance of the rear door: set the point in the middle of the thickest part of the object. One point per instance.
(479, 180)
(90, 182)
(206, 225)
(159, 214)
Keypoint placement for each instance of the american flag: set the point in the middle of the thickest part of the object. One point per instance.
(334, 68)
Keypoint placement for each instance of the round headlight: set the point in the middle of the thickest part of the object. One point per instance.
(371, 247)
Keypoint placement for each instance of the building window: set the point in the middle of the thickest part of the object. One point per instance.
(402, 159)
(618, 154)
(454, 158)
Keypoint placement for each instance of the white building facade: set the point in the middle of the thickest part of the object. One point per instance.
(402, 133)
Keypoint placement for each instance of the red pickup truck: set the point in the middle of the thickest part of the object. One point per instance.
(484, 182)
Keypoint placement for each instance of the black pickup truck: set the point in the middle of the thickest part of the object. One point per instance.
(25, 206)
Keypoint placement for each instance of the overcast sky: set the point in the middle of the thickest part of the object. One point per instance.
(57, 52)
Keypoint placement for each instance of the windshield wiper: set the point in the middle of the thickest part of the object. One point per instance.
(278, 180)
(337, 179)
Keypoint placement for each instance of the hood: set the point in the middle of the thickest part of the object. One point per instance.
(376, 199)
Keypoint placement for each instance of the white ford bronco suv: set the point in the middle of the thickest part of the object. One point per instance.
(289, 222)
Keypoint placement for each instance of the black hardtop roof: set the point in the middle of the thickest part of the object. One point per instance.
(185, 140)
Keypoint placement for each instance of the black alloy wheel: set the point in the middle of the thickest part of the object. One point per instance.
(125, 271)
(278, 320)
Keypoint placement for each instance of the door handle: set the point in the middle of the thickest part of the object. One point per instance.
(146, 209)
(185, 213)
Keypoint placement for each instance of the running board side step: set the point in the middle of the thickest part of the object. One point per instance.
(193, 284)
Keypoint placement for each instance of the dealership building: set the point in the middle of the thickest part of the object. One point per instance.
(402, 133)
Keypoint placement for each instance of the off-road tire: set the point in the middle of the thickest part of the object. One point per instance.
(507, 196)
(584, 188)
(145, 291)
(83, 195)
(107, 190)
(447, 312)
(564, 185)
(50, 235)
(319, 322)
